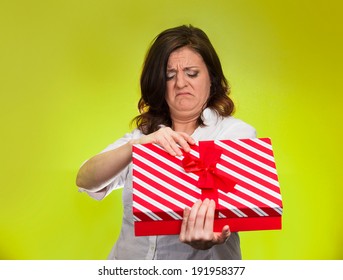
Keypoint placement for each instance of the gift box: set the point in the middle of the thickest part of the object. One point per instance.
(240, 175)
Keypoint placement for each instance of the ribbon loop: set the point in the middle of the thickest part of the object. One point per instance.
(205, 167)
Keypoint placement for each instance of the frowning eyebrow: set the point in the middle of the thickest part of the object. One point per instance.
(170, 69)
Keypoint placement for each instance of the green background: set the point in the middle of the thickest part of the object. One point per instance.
(69, 85)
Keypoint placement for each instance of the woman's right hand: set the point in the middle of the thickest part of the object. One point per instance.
(170, 140)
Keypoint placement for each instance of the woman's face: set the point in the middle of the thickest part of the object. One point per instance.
(188, 84)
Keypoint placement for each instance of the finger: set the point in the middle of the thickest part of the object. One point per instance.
(170, 150)
(225, 233)
(167, 142)
(184, 141)
(182, 235)
(170, 139)
(209, 219)
(223, 236)
(191, 220)
(201, 216)
(183, 144)
(174, 143)
(187, 137)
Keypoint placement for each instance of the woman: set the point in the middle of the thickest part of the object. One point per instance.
(184, 99)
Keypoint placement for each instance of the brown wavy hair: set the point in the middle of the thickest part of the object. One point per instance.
(153, 108)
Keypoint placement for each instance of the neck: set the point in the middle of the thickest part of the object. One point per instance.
(187, 126)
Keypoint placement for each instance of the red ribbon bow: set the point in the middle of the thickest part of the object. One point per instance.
(205, 167)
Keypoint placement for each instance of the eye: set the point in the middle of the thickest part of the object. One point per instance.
(192, 73)
(170, 75)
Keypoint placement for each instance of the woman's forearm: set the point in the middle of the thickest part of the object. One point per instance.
(104, 166)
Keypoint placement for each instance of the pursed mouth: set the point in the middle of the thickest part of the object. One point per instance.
(182, 93)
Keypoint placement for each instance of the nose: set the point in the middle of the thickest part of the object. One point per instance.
(181, 81)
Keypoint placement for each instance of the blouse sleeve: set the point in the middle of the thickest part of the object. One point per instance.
(238, 129)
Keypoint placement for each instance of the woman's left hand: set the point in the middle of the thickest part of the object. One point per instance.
(197, 226)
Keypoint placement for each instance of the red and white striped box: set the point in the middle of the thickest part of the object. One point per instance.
(240, 175)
